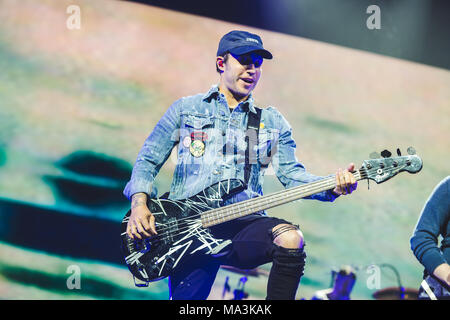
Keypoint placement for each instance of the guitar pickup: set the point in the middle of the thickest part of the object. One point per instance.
(170, 229)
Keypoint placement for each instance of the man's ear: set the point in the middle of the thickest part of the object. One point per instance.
(220, 63)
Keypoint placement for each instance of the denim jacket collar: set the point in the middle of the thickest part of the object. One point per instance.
(214, 93)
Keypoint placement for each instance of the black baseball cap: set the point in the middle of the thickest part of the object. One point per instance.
(241, 42)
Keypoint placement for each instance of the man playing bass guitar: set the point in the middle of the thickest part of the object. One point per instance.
(209, 130)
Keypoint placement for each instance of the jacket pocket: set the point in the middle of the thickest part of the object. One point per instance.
(198, 122)
(197, 138)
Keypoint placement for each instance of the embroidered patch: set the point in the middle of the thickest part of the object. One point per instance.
(197, 148)
(199, 135)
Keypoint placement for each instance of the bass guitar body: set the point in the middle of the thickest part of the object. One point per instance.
(180, 232)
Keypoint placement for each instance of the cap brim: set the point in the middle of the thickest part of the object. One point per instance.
(246, 49)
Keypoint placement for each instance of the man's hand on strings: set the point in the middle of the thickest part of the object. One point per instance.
(345, 181)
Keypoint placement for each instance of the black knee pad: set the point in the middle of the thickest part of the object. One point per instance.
(287, 270)
(289, 261)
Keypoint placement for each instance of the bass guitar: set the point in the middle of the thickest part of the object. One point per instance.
(182, 226)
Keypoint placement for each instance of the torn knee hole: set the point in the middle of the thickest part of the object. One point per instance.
(280, 229)
(289, 233)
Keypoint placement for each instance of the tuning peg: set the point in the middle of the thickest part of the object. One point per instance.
(374, 155)
(386, 154)
(411, 151)
(398, 152)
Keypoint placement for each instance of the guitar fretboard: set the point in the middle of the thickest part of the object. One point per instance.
(223, 214)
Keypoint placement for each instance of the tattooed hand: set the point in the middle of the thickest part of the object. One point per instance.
(142, 221)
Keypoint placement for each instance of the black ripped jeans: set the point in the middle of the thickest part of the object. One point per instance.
(252, 245)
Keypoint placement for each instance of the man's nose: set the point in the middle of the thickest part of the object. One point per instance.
(251, 68)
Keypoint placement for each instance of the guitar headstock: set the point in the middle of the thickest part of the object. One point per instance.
(383, 168)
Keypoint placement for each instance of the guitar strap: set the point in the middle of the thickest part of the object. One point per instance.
(251, 139)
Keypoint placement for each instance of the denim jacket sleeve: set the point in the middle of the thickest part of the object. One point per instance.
(155, 151)
(290, 172)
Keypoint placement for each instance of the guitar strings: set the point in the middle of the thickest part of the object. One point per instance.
(317, 185)
(313, 186)
(292, 194)
(182, 227)
(287, 195)
(215, 211)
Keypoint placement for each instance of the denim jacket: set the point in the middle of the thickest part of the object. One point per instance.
(211, 147)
